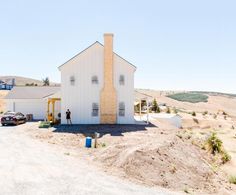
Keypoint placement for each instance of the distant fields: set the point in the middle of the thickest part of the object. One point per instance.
(189, 97)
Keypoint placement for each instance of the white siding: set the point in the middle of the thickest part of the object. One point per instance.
(125, 93)
(80, 97)
(37, 107)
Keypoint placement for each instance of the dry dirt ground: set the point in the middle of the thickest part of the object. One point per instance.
(159, 154)
(28, 166)
(154, 155)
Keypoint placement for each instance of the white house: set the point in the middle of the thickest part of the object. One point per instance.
(97, 85)
(30, 100)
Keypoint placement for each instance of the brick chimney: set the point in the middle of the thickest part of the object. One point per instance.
(108, 104)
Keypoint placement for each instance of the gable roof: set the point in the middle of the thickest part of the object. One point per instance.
(97, 42)
(31, 92)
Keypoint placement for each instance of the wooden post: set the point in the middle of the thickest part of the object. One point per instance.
(53, 111)
(147, 111)
(48, 110)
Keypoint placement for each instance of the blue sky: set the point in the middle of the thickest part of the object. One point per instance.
(176, 45)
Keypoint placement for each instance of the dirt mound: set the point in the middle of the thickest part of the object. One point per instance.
(177, 165)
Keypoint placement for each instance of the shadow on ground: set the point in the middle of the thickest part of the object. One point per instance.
(113, 130)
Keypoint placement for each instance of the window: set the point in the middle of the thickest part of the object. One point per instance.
(122, 80)
(72, 80)
(121, 109)
(94, 80)
(95, 109)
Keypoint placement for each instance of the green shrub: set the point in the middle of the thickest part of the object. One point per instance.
(225, 157)
(189, 97)
(232, 179)
(193, 113)
(215, 144)
(44, 124)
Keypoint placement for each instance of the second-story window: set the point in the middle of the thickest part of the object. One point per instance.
(94, 79)
(72, 80)
(122, 80)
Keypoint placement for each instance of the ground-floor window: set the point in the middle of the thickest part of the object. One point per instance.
(95, 109)
(121, 109)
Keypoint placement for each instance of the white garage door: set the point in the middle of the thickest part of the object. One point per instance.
(38, 109)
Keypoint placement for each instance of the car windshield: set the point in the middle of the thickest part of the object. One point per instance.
(10, 113)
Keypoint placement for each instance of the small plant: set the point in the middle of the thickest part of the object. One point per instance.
(186, 191)
(224, 113)
(215, 116)
(67, 153)
(103, 145)
(232, 179)
(1, 112)
(175, 110)
(168, 110)
(205, 113)
(225, 117)
(225, 157)
(193, 113)
(215, 144)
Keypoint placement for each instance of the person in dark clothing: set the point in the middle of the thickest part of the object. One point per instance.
(68, 117)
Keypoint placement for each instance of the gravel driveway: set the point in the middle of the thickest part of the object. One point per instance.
(28, 166)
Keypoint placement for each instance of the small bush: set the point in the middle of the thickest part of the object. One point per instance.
(193, 113)
(232, 179)
(44, 124)
(214, 116)
(175, 111)
(224, 113)
(215, 144)
(168, 110)
(225, 157)
(205, 113)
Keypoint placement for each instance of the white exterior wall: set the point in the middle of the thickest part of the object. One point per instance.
(37, 107)
(125, 93)
(79, 98)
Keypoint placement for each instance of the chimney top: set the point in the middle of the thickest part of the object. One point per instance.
(108, 34)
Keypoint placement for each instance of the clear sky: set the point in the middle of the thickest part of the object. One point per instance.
(175, 44)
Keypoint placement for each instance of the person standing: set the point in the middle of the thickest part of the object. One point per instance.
(68, 117)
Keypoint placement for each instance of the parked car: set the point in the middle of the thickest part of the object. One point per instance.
(13, 118)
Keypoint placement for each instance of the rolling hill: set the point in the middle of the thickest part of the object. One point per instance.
(22, 81)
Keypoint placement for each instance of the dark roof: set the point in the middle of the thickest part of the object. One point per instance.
(38, 92)
(97, 42)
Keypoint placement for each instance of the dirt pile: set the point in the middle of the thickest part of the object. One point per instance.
(177, 164)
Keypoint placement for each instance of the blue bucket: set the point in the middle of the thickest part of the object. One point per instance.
(88, 142)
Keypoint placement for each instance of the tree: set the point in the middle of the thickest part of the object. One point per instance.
(46, 82)
(154, 105)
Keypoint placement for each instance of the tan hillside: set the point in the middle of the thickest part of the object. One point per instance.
(216, 102)
(24, 80)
